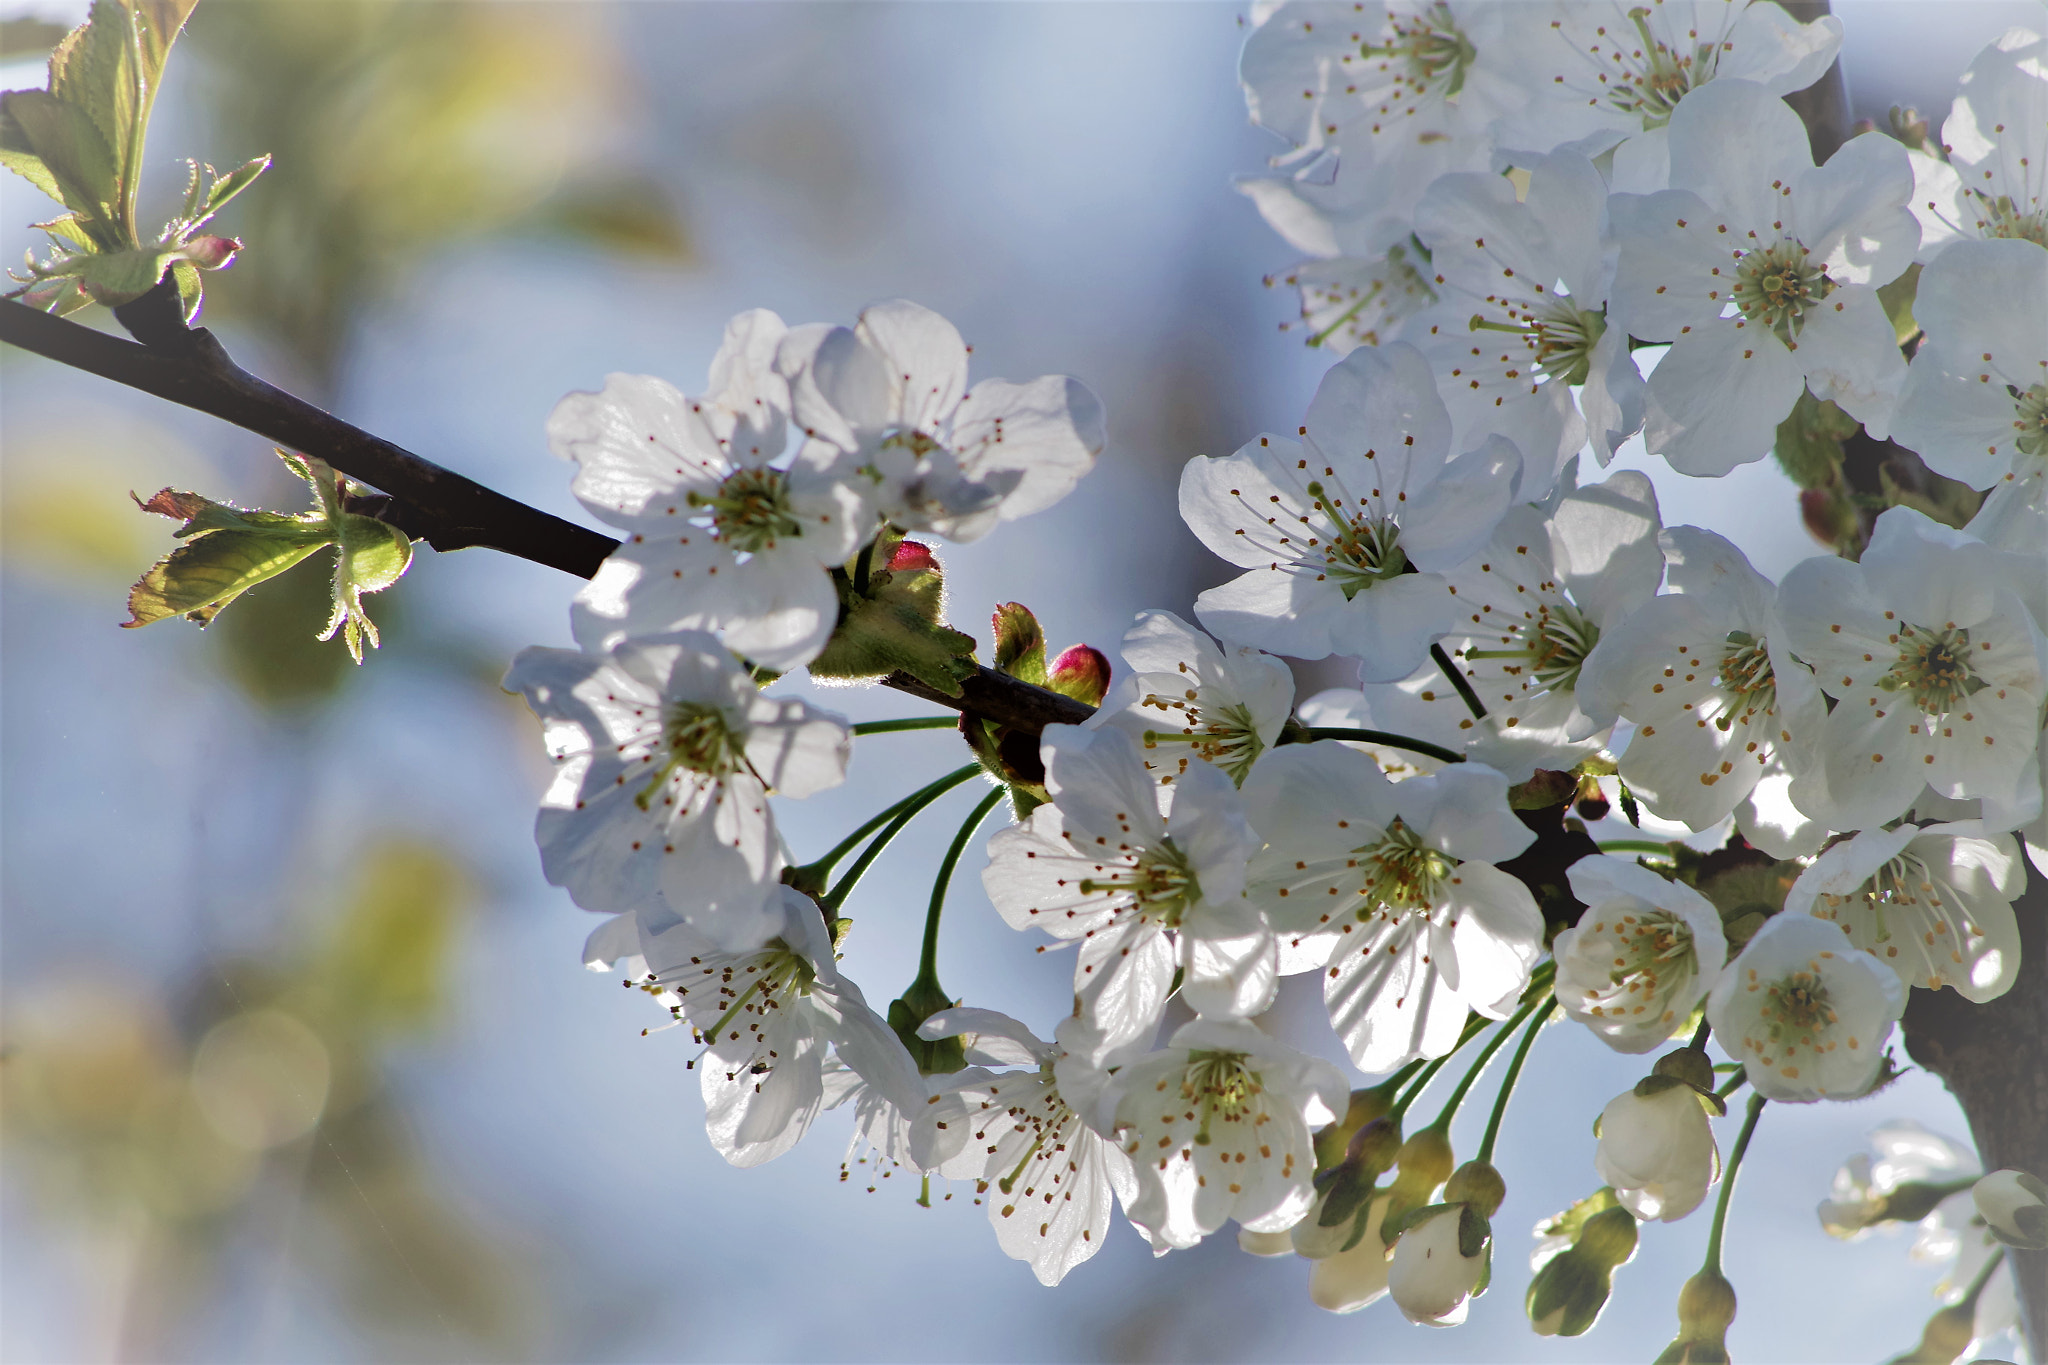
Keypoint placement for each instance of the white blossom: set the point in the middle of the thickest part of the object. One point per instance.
(1050, 1181)
(665, 752)
(1347, 708)
(1657, 1150)
(1936, 666)
(1975, 403)
(1329, 527)
(1992, 177)
(1187, 698)
(890, 394)
(1218, 1125)
(767, 1017)
(1430, 1276)
(1533, 607)
(2014, 1205)
(1353, 1277)
(722, 532)
(1807, 1014)
(1762, 271)
(1523, 320)
(1933, 903)
(1607, 75)
(1143, 893)
(1901, 1152)
(1643, 954)
(1347, 303)
(1391, 890)
(1716, 702)
(1378, 100)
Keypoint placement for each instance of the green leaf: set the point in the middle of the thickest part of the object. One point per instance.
(1898, 297)
(374, 555)
(232, 184)
(202, 515)
(197, 579)
(1020, 643)
(191, 290)
(1809, 444)
(94, 72)
(76, 155)
(69, 228)
(115, 277)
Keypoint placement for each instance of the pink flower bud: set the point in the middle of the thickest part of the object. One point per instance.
(910, 556)
(211, 253)
(1081, 673)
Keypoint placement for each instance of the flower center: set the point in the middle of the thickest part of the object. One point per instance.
(1552, 647)
(2004, 218)
(1645, 940)
(1745, 675)
(1560, 337)
(1798, 1005)
(751, 509)
(1894, 887)
(1775, 285)
(1426, 54)
(1220, 1085)
(1159, 882)
(1364, 549)
(1655, 76)
(2030, 419)
(1224, 735)
(697, 738)
(1402, 873)
(1933, 668)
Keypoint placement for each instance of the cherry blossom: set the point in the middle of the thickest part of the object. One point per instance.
(1049, 1180)
(1391, 890)
(1534, 607)
(665, 752)
(1523, 320)
(1933, 903)
(1936, 666)
(1806, 1013)
(1329, 527)
(1431, 1276)
(1716, 702)
(1643, 954)
(1762, 270)
(890, 395)
(1143, 893)
(1217, 1124)
(722, 532)
(1657, 1150)
(1186, 698)
(1991, 178)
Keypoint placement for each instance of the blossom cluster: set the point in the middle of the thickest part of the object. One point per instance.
(1513, 207)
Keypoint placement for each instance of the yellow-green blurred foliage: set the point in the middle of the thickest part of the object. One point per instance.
(169, 1123)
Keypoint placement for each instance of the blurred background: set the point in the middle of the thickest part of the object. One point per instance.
(299, 1060)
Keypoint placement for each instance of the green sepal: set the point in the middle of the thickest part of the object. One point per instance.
(897, 624)
(373, 555)
(1020, 643)
(1474, 1232)
(934, 1056)
(1809, 442)
(1572, 1222)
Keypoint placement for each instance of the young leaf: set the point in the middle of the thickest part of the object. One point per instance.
(199, 578)
(232, 184)
(76, 156)
(373, 556)
(93, 71)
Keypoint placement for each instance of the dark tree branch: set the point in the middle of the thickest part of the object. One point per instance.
(1824, 105)
(191, 368)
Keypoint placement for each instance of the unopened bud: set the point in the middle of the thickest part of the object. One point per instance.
(1705, 1308)
(1080, 672)
(1477, 1184)
(910, 556)
(1591, 803)
(1569, 1291)
(1947, 1335)
(1020, 643)
(1425, 1162)
(2015, 1208)
(1333, 1143)
(1343, 1189)
(209, 252)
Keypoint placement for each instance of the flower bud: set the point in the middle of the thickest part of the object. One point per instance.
(1079, 672)
(1657, 1149)
(1425, 1162)
(1366, 1105)
(1438, 1263)
(1946, 1337)
(1590, 802)
(1265, 1243)
(1477, 1184)
(209, 252)
(1020, 643)
(1332, 1222)
(1348, 1280)
(1569, 1291)
(1706, 1306)
(2015, 1208)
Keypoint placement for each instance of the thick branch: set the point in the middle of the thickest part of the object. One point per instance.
(448, 511)
(1824, 105)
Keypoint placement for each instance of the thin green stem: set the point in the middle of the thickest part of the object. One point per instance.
(925, 794)
(1701, 1034)
(1507, 1083)
(1458, 680)
(910, 806)
(1493, 1045)
(1474, 1026)
(1733, 1083)
(1387, 740)
(1983, 1277)
(890, 727)
(1635, 846)
(1713, 1262)
(928, 959)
